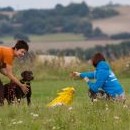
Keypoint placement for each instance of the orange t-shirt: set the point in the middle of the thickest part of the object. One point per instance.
(6, 55)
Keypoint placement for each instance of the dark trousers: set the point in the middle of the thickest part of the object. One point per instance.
(1, 94)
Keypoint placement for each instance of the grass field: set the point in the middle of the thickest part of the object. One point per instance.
(81, 115)
(59, 37)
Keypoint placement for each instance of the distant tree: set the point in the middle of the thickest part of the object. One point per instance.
(29, 15)
(7, 9)
(19, 36)
(70, 26)
(87, 29)
(73, 18)
(5, 28)
(1, 42)
(98, 33)
(98, 13)
(35, 27)
(59, 7)
(110, 51)
(124, 35)
(4, 17)
(76, 9)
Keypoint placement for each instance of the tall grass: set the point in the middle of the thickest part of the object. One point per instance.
(121, 66)
(58, 69)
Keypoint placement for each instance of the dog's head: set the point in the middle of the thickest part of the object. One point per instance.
(92, 94)
(27, 75)
(99, 95)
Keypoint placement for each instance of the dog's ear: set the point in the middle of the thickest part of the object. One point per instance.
(31, 72)
(23, 74)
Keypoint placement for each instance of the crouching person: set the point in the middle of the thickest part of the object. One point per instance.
(7, 56)
(104, 77)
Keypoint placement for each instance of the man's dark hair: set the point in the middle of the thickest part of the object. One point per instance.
(21, 44)
(97, 58)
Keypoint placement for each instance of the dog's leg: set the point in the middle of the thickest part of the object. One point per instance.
(7, 93)
(8, 96)
(11, 94)
(28, 100)
(92, 95)
(27, 76)
(1, 94)
(28, 96)
(18, 92)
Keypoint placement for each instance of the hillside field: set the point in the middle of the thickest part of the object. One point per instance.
(60, 41)
(113, 25)
(117, 24)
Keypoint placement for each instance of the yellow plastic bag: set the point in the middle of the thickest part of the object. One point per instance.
(65, 97)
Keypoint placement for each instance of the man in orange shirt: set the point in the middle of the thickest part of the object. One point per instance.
(7, 55)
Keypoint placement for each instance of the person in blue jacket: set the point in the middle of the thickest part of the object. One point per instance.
(104, 77)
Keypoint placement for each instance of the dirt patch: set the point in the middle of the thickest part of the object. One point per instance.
(44, 46)
(71, 45)
(117, 24)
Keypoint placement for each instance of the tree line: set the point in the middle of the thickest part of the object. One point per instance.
(112, 51)
(74, 18)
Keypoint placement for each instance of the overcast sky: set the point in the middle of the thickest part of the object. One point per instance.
(44, 4)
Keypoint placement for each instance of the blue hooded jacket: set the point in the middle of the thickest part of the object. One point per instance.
(105, 79)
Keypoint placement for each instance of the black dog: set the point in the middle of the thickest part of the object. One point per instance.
(100, 95)
(12, 91)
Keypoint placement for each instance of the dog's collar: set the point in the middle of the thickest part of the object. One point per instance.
(25, 82)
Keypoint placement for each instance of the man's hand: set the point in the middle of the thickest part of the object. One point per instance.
(74, 74)
(24, 88)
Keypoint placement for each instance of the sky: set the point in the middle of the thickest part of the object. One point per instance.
(48, 4)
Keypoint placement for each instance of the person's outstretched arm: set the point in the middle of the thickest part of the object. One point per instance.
(90, 75)
(100, 80)
(8, 72)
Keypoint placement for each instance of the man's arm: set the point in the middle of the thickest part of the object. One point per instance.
(8, 72)
(100, 80)
(2, 71)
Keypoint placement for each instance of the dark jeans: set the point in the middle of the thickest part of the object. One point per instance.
(1, 94)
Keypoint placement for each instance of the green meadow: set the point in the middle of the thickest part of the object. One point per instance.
(82, 114)
(59, 37)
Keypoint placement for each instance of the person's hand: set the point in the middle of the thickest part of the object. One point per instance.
(86, 79)
(24, 88)
(75, 74)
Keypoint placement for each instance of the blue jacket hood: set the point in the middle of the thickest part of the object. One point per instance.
(102, 65)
